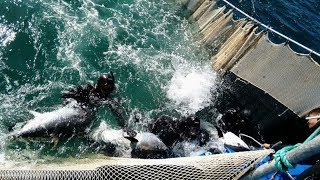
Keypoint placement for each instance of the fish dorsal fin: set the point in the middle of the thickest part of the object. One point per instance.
(34, 113)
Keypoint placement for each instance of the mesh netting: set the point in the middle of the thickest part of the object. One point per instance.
(222, 166)
(287, 76)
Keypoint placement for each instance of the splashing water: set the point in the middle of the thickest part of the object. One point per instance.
(6, 35)
(191, 89)
(50, 46)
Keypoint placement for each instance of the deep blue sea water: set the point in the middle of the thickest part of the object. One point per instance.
(48, 46)
(299, 20)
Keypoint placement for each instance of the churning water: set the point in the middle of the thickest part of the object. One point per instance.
(49, 46)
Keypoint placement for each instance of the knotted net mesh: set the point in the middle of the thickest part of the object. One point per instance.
(221, 166)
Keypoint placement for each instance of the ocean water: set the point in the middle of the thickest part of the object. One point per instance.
(47, 47)
(299, 20)
(50, 46)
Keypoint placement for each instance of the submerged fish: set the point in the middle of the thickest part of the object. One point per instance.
(66, 121)
(126, 142)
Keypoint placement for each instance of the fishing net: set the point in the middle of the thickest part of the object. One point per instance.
(290, 78)
(221, 166)
(287, 76)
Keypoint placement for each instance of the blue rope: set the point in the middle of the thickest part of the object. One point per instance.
(313, 135)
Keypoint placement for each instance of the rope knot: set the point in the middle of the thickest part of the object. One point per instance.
(281, 161)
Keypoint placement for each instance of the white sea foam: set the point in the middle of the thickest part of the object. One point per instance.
(76, 30)
(2, 158)
(7, 35)
(190, 88)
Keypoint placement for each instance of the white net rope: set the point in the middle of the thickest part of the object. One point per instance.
(221, 166)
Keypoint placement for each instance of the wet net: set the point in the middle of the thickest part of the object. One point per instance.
(221, 166)
(236, 46)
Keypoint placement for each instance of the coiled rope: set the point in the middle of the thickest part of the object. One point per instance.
(281, 161)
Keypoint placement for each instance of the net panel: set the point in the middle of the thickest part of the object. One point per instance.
(287, 76)
(222, 166)
(203, 8)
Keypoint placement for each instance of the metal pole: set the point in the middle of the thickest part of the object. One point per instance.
(294, 156)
